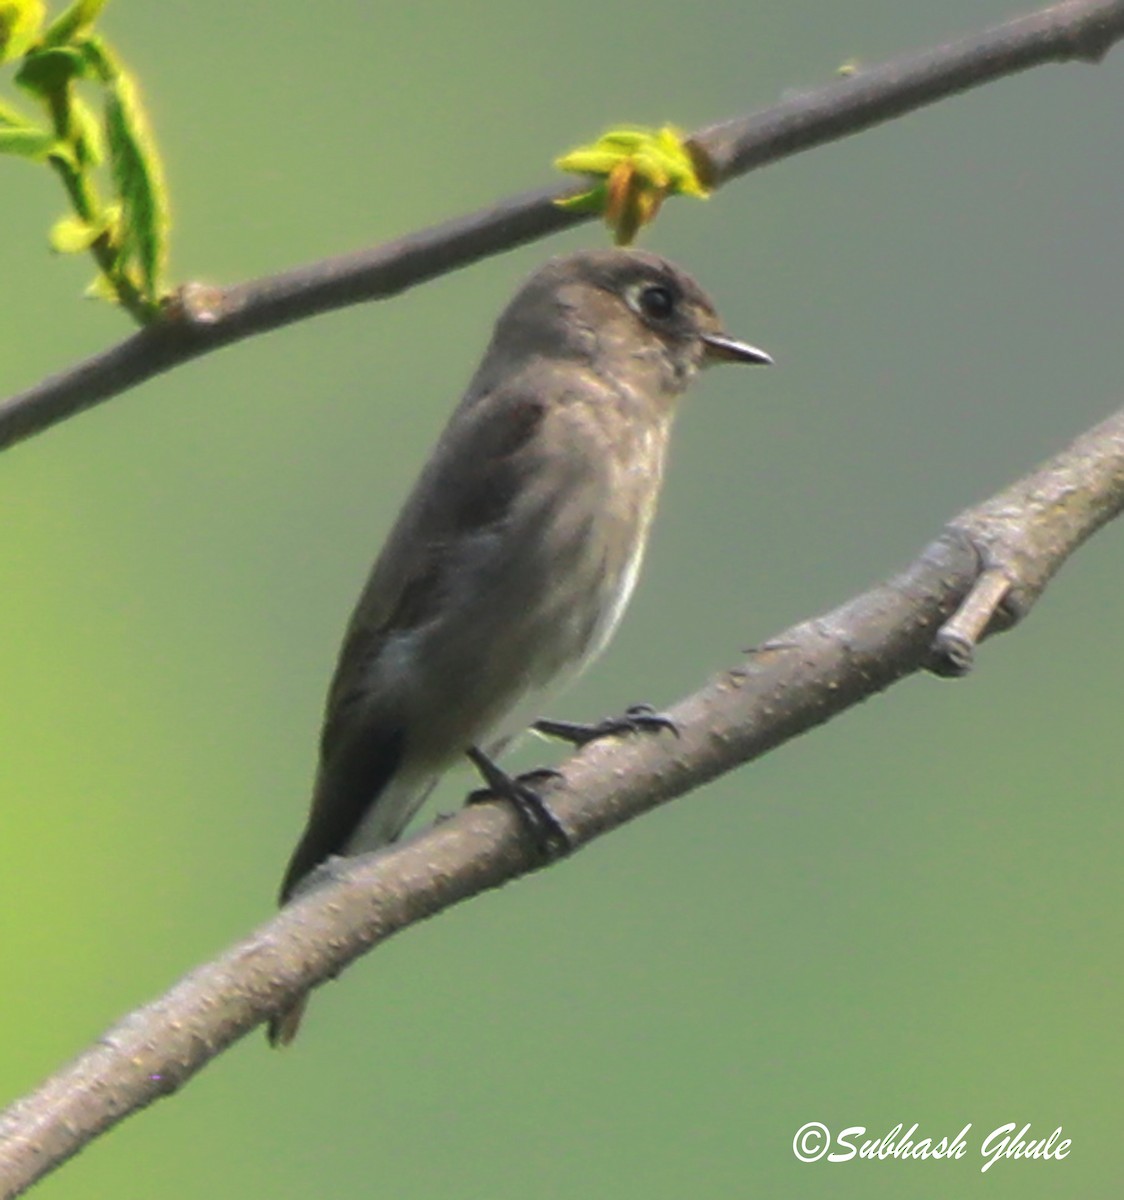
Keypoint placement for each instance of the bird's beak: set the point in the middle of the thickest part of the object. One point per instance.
(722, 348)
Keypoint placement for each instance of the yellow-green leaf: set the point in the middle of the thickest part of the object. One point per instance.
(102, 288)
(72, 23)
(63, 152)
(72, 235)
(9, 116)
(592, 201)
(20, 21)
(33, 144)
(625, 139)
(591, 160)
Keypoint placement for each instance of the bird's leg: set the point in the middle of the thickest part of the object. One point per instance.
(640, 718)
(528, 778)
(547, 832)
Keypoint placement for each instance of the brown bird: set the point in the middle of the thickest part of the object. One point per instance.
(516, 552)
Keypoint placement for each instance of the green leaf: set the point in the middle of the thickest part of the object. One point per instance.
(592, 201)
(72, 23)
(64, 152)
(98, 60)
(139, 179)
(34, 144)
(9, 116)
(85, 133)
(47, 72)
(103, 288)
(72, 235)
(19, 26)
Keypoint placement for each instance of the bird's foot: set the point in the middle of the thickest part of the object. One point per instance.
(640, 718)
(546, 831)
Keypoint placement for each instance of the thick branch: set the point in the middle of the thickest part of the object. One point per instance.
(208, 318)
(798, 680)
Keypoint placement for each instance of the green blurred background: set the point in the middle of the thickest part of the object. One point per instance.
(913, 915)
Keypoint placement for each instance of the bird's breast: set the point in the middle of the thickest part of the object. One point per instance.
(603, 525)
(533, 598)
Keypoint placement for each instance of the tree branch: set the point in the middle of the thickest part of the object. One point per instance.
(981, 574)
(204, 319)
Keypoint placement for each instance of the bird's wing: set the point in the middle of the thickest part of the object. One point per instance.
(467, 487)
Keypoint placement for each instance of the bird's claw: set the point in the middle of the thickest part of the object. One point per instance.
(639, 718)
(546, 831)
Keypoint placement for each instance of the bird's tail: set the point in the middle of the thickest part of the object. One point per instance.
(363, 801)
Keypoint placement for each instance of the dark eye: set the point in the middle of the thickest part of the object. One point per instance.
(657, 302)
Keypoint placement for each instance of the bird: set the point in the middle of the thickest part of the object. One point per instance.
(514, 556)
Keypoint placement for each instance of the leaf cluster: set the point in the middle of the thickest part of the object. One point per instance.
(94, 148)
(639, 168)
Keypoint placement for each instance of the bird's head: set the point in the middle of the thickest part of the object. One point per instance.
(628, 315)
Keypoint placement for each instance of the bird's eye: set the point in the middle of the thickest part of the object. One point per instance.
(656, 302)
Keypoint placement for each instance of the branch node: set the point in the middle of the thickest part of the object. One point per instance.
(196, 304)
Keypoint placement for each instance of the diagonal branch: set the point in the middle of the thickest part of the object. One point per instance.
(203, 319)
(785, 687)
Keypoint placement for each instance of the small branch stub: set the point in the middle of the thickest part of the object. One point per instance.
(956, 641)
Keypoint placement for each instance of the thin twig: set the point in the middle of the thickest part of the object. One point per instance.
(206, 319)
(797, 681)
